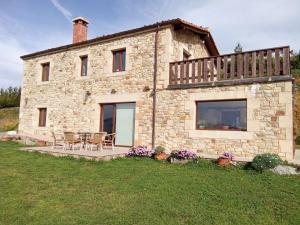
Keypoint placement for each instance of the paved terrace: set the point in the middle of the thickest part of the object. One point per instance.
(105, 154)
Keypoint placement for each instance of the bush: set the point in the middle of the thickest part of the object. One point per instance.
(265, 161)
(159, 149)
(140, 151)
(297, 140)
(183, 154)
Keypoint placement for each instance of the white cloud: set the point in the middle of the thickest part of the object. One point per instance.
(66, 13)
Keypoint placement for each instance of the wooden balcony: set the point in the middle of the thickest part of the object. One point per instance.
(245, 67)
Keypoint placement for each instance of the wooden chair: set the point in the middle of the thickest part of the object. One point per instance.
(56, 141)
(70, 140)
(96, 140)
(110, 140)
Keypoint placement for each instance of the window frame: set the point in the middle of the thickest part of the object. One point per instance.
(222, 100)
(44, 122)
(45, 78)
(82, 57)
(121, 60)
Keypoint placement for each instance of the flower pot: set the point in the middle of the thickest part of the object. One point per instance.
(41, 143)
(161, 156)
(223, 162)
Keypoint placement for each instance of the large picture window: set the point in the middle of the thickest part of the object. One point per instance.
(221, 115)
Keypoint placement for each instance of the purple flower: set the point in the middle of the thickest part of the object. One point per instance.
(183, 154)
(140, 151)
(227, 155)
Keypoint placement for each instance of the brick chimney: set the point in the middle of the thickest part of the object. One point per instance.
(79, 29)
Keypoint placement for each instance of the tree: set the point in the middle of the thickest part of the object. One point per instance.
(10, 97)
(238, 48)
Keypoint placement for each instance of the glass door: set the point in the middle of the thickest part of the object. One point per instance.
(120, 119)
(125, 114)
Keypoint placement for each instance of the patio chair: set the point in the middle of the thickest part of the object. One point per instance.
(70, 140)
(110, 140)
(56, 141)
(96, 140)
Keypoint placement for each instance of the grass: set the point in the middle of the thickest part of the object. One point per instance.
(42, 189)
(9, 118)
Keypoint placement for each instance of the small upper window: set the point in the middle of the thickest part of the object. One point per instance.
(119, 60)
(45, 71)
(42, 117)
(186, 55)
(222, 115)
(84, 63)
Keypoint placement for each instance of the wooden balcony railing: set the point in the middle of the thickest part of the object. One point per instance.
(250, 64)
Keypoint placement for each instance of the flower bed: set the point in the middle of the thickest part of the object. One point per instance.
(140, 151)
(182, 156)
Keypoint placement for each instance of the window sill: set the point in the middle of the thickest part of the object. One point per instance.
(117, 73)
(221, 129)
(221, 134)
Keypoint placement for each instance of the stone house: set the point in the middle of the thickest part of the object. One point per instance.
(162, 84)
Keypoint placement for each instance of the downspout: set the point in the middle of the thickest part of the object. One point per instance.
(154, 87)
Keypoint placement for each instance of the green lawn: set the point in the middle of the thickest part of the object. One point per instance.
(42, 189)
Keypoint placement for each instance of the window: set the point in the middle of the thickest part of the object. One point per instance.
(119, 60)
(186, 55)
(222, 115)
(42, 117)
(84, 63)
(45, 71)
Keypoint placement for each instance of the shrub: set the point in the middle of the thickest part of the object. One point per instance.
(297, 140)
(159, 149)
(265, 161)
(183, 154)
(140, 151)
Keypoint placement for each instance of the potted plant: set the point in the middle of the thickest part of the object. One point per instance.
(182, 156)
(225, 159)
(160, 154)
(139, 151)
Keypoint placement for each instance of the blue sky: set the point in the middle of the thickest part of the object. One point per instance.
(32, 25)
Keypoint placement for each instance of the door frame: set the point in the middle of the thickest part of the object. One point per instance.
(114, 118)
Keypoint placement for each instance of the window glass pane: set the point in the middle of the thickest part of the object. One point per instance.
(84, 61)
(45, 72)
(123, 60)
(226, 115)
(108, 111)
(117, 61)
(42, 117)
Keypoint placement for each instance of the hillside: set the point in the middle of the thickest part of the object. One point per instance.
(9, 118)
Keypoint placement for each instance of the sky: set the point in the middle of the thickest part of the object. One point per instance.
(28, 26)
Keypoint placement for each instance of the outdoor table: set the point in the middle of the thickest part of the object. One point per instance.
(84, 137)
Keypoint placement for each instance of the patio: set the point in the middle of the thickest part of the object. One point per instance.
(105, 154)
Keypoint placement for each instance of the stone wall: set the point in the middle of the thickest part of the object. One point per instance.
(269, 120)
(69, 108)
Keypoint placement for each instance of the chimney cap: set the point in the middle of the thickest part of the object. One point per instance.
(80, 18)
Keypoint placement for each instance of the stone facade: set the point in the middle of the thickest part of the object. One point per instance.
(73, 102)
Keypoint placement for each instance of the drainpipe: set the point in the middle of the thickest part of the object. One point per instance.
(154, 87)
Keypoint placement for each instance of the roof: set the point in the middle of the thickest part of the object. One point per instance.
(177, 23)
